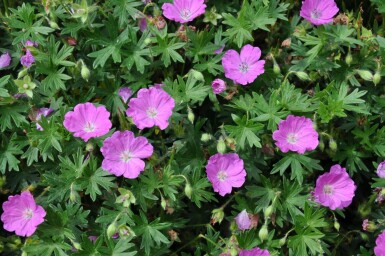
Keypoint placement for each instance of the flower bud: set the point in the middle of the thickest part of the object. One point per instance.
(85, 72)
(233, 251)
(147, 41)
(377, 78)
(2, 181)
(126, 232)
(321, 145)
(76, 245)
(302, 75)
(282, 241)
(188, 190)
(22, 73)
(332, 145)
(276, 69)
(197, 75)
(53, 25)
(269, 210)
(364, 74)
(369, 225)
(89, 147)
(190, 115)
(111, 230)
(217, 215)
(163, 202)
(24, 253)
(221, 146)
(206, 137)
(349, 59)
(337, 225)
(243, 220)
(263, 233)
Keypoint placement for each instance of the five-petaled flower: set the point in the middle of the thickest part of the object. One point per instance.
(22, 215)
(183, 10)
(123, 154)
(225, 171)
(245, 67)
(297, 134)
(319, 12)
(152, 107)
(88, 121)
(334, 189)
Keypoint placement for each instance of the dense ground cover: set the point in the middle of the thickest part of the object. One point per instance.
(191, 127)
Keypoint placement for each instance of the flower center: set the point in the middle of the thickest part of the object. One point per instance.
(89, 127)
(27, 214)
(126, 156)
(222, 175)
(185, 14)
(151, 112)
(291, 138)
(315, 14)
(243, 67)
(328, 189)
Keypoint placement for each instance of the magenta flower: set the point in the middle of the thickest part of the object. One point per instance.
(379, 249)
(334, 189)
(152, 107)
(381, 170)
(21, 214)
(243, 68)
(42, 112)
(183, 10)
(142, 22)
(319, 12)
(297, 134)
(243, 220)
(123, 154)
(31, 43)
(220, 50)
(225, 172)
(88, 121)
(27, 60)
(125, 93)
(218, 86)
(5, 60)
(254, 252)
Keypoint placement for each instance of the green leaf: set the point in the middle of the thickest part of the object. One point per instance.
(244, 131)
(8, 152)
(93, 180)
(11, 116)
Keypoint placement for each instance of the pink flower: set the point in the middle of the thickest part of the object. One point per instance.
(220, 50)
(88, 121)
(31, 43)
(218, 86)
(27, 60)
(319, 12)
(243, 68)
(334, 189)
(21, 214)
(254, 252)
(379, 249)
(42, 112)
(297, 134)
(123, 154)
(243, 220)
(5, 60)
(125, 93)
(152, 107)
(183, 10)
(225, 172)
(142, 22)
(381, 170)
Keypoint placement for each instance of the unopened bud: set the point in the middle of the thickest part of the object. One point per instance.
(188, 190)
(205, 137)
(269, 210)
(76, 245)
(190, 115)
(349, 59)
(282, 241)
(197, 75)
(85, 72)
(111, 230)
(302, 75)
(89, 147)
(163, 202)
(24, 253)
(365, 74)
(233, 251)
(321, 145)
(276, 69)
(147, 41)
(22, 73)
(263, 233)
(125, 232)
(337, 225)
(221, 146)
(377, 78)
(53, 25)
(217, 215)
(332, 145)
